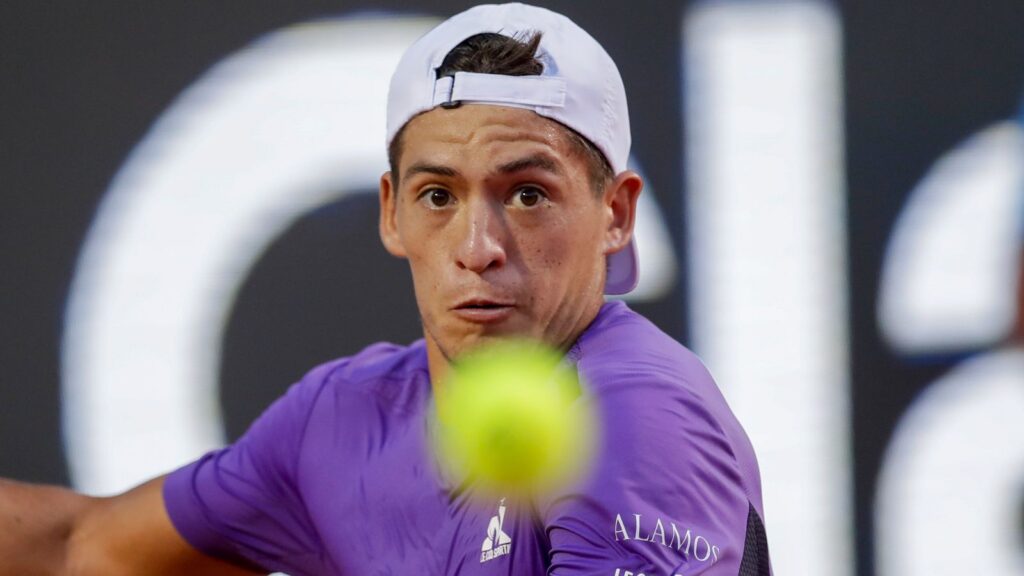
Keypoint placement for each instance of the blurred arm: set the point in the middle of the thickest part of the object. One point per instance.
(46, 530)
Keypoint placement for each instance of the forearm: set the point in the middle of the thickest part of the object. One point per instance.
(36, 524)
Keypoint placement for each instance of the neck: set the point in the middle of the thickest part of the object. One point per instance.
(437, 363)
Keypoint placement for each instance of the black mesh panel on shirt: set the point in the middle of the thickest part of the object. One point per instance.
(755, 549)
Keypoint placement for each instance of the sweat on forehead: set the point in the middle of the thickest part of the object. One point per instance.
(555, 143)
(501, 135)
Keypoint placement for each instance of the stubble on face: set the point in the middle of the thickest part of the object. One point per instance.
(547, 259)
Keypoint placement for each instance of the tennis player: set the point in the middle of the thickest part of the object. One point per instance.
(510, 197)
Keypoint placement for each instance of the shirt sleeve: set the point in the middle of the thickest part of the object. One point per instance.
(664, 497)
(242, 503)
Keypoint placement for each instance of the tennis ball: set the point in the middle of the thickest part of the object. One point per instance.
(514, 419)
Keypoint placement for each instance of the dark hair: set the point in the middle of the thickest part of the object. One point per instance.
(491, 53)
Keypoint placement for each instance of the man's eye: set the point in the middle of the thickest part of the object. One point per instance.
(529, 196)
(438, 198)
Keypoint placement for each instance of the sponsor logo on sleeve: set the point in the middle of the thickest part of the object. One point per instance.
(667, 534)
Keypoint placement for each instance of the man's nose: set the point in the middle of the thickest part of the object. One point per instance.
(483, 237)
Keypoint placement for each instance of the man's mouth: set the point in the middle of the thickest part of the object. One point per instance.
(483, 311)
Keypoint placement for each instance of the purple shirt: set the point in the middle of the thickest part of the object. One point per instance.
(337, 477)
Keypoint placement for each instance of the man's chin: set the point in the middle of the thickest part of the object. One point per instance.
(473, 341)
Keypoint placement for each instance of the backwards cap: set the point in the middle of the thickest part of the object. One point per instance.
(580, 87)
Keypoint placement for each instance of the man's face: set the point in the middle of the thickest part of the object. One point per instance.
(502, 228)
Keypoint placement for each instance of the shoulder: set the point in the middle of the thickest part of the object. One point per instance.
(379, 369)
(383, 382)
(674, 476)
(658, 399)
(622, 349)
(347, 388)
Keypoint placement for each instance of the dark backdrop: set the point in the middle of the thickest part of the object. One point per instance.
(83, 81)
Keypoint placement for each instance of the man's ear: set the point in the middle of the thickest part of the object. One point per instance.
(388, 226)
(620, 202)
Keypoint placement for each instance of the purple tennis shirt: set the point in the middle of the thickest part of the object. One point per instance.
(337, 476)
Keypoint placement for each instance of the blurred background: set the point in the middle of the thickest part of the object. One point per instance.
(833, 221)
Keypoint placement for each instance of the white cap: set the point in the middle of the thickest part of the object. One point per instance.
(580, 87)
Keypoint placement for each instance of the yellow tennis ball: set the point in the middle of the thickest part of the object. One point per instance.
(515, 419)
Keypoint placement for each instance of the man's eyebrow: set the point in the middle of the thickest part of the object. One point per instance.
(541, 161)
(426, 168)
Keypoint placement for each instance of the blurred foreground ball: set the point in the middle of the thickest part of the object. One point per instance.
(514, 418)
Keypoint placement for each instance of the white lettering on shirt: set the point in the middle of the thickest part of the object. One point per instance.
(680, 539)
